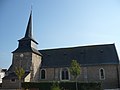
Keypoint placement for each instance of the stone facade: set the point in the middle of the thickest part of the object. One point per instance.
(36, 63)
(111, 75)
(10, 84)
(29, 62)
(25, 61)
(88, 74)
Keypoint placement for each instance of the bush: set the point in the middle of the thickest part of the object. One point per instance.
(61, 86)
(55, 86)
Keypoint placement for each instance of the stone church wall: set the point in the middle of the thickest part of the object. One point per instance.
(24, 62)
(111, 75)
(8, 84)
(36, 63)
(88, 74)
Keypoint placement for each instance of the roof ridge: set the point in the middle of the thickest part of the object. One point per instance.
(78, 46)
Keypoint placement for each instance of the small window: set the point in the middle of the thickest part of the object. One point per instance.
(101, 51)
(65, 53)
(102, 74)
(42, 74)
(64, 74)
(13, 80)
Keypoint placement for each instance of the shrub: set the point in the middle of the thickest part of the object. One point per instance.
(55, 86)
(61, 86)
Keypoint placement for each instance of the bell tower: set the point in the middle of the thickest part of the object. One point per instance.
(27, 55)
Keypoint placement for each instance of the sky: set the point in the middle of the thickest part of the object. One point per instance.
(58, 24)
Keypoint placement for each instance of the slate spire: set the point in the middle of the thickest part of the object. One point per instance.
(27, 43)
(28, 33)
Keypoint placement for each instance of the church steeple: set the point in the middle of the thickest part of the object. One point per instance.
(26, 56)
(28, 33)
(27, 43)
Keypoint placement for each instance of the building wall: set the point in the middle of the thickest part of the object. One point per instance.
(8, 84)
(111, 75)
(27, 78)
(25, 62)
(88, 74)
(2, 74)
(36, 63)
(29, 62)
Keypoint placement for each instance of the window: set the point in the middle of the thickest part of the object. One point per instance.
(64, 74)
(13, 80)
(42, 74)
(102, 74)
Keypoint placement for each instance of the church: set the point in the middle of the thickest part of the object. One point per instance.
(99, 63)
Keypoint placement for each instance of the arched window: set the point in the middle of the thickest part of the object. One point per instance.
(64, 74)
(102, 74)
(42, 74)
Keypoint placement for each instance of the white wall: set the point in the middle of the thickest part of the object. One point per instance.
(2, 74)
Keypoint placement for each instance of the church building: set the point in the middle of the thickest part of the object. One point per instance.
(99, 63)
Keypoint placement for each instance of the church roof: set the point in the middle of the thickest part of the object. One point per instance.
(27, 38)
(85, 55)
(27, 49)
(28, 34)
(14, 76)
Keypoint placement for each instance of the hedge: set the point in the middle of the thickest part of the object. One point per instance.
(62, 85)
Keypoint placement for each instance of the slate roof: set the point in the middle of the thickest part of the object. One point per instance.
(85, 55)
(13, 75)
(3, 70)
(27, 49)
(27, 37)
(28, 34)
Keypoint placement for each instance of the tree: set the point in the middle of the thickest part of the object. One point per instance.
(55, 86)
(75, 70)
(19, 71)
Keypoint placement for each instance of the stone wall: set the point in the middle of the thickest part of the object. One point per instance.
(89, 74)
(25, 62)
(8, 84)
(111, 76)
(36, 63)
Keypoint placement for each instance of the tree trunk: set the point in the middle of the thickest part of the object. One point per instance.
(19, 84)
(76, 84)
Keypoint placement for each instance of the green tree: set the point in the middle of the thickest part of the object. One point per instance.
(19, 72)
(75, 70)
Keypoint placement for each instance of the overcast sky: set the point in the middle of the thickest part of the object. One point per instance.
(58, 24)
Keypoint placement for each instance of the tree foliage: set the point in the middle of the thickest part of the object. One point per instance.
(55, 86)
(75, 68)
(19, 72)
